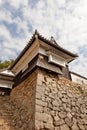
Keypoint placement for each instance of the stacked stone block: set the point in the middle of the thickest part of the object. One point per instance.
(6, 113)
(60, 104)
(44, 101)
(23, 102)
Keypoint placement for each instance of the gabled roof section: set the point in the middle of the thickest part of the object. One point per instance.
(51, 42)
(6, 72)
(24, 50)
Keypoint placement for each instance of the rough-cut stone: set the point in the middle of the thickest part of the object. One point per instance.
(64, 127)
(48, 126)
(59, 122)
(56, 118)
(52, 96)
(85, 121)
(62, 114)
(73, 103)
(59, 94)
(57, 128)
(64, 105)
(46, 110)
(44, 102)
(81, 127)
(55, 103)
(69, 115)
(68, 121)
(6, 113)
(39, 108)
(47, 118)
(75, 127)
(40, 89)
(23, 99)
(64, 100)
(39, 125)
(38, 95)
(53, 113)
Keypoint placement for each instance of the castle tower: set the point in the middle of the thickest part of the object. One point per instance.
(36, 89)
(42, 53)
(42, 96)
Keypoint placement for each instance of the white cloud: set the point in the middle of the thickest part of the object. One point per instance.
(4, 33)
(18, 3)
(66, 20)
(5, 16)
(1, 1)
(81, 66)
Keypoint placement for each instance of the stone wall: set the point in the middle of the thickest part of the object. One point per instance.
(6, 114)
(60, 104)
(23, 103)
(44, 101)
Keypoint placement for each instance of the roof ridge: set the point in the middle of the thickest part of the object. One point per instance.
(56, 44)
(38, 35)
(52, 42)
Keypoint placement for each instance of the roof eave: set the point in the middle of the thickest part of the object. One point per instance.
(57, 46)
(45, 40)
(23, 52)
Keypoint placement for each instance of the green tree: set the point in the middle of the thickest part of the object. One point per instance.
(6, 63)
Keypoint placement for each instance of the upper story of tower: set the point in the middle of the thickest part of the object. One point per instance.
(50, 55)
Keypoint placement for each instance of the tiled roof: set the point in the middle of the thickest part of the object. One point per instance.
(7, 72)
(50, 42)
(54, 44)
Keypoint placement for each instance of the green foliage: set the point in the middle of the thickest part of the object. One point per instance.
(6, 63)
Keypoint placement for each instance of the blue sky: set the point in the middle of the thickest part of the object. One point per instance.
(65, 20)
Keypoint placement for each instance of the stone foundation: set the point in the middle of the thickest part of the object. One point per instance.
(44, 101)
(60, 104)
(23, 101)
(6, 113)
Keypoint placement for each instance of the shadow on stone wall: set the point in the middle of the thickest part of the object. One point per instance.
(44, 102)
(6, 114)
(60, 103)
